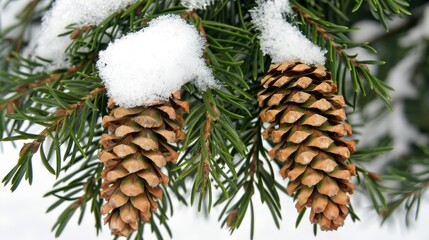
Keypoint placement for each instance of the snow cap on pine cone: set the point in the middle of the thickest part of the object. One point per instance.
(280, 39)
(149, 65)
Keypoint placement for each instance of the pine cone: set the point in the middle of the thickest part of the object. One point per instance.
(306, 123)
(133, 153)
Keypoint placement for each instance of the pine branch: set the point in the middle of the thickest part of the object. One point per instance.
(409, 199)
(29, 149)
(25, 89)
(406, 185)
(383, 10)
(333, 37)
(81, 187)
(211, 139)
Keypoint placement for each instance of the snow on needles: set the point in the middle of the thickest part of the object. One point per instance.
(196, 4)
(281, 40)
(151, 64)
(63, 13)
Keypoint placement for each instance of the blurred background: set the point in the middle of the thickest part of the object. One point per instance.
(403, 131)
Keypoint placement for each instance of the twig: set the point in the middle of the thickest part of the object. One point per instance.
(62, 114)
(26, 88)
(207, 133)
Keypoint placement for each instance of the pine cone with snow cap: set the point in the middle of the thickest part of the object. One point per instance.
(134, 151)
(306, 123)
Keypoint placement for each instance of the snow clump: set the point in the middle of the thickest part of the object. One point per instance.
(50, 45)
(151, 64)
(280, 39)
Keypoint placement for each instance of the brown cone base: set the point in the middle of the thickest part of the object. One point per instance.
(306, 123)
(134, 151)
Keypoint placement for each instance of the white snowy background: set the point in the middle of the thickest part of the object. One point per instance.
(23, 213)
